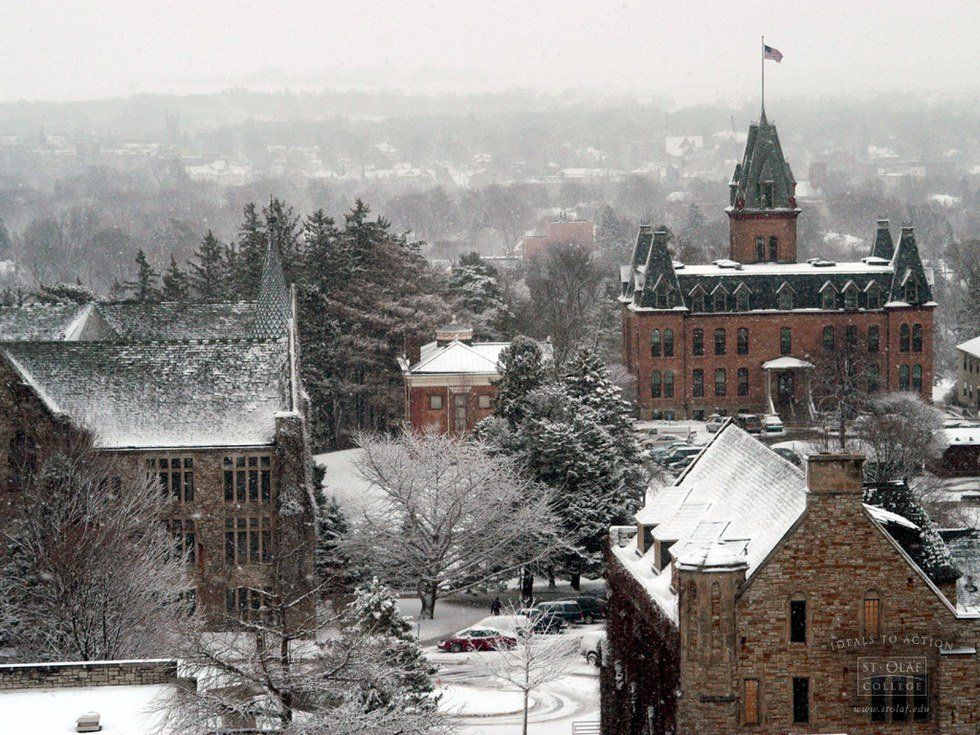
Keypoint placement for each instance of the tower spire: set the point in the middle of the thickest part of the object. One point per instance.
(273, 309)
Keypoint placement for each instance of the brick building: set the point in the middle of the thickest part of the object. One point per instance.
(746, 333)
(754, 596)
(206, 397)
(557, 233)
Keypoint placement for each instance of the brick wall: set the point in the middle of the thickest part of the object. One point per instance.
(88, 674)
(441, 420)
(744, 227)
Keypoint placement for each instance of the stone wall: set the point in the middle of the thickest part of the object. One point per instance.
(88, 674)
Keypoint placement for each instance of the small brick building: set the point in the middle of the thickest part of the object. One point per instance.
(561, 232)
(745, 333)
(755, 597)
(205, 397)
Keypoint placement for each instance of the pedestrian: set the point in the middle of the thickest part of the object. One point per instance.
(495, 606)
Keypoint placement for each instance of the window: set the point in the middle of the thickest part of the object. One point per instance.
(872, 617)
(743, 381)
(785, 299)
(773, 249)
(797, 621)
(760, 248)
(916, 338)
(692, 608)
(828, 299)
(742, 341)
(175, 476)
(904, 333)
(655, 384)
(874, 338)
(435, 403)
(720, 382)
(662, 297)
(668, 343)
(850, 335)
(248, 478)
(851, 298)
(248, 540)
(719, 341)
(247, 603)
(874, 296)
(655, 343)
(828, 338)
(785, 341)
(21, 460)
(697, 382)
(899, 698)
(912, 292)
(767, 194)
(720, 300)
(668, 383)
(697, 301)
(874, 378)
(750, 702)
(483, 401)
(697, 337)
(917, 378)
(903, 377)
(801, 699)
(742, 300)
(185, 538)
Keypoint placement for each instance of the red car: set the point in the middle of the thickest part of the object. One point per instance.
(477, 639)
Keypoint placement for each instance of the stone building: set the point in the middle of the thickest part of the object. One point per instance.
(968, 375)
(746, 333)
(754, 596)
(205, 397)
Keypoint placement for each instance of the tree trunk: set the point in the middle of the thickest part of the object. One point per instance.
(841, 426)
(524, 726)
(551, 578)
(427, 596)
(576, 580)
(527, 585)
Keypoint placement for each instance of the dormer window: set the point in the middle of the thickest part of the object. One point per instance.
(785, 294)
(912, 291)
(661, 295)
(873, 295)
(851, 296)
(719, 299)
(697, 299)
(742, 298)
(767, 194)
(828, 297)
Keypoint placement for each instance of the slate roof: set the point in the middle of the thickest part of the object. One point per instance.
(762, 161)
(38, 322)
(178, 320)
(177, 394)
(273, 310)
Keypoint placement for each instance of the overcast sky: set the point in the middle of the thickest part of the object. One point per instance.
(693, 50)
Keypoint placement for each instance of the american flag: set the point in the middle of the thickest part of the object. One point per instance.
(771, 53)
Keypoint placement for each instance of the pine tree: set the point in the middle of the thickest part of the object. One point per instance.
(246, 268)
(334, 568)
(175, 286)
(374, 615)
(144, 288)
(209, 274)
(522, 370)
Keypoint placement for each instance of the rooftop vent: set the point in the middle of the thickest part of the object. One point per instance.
(725, 263)
(89, 722)
(873, 260)
(821, 263)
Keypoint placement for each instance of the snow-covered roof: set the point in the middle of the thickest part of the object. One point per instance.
(178, 320)
(154, 394)
(458, 357)
(887, 517)
(38, 322)
(785, 363)
(959, 436)
(720, 268)
(970, 347)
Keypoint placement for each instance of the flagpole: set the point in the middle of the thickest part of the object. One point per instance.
(763, 61)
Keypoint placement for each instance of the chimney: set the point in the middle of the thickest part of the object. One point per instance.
(883, 224)
(454, 331)
(660, 236)
(835, 474)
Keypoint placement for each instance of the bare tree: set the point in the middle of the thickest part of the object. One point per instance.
(536, 659)
(900, 434)
(89, 569)
(845, 376)
(451, 516)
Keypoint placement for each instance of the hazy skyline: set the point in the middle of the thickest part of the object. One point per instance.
(70, 51)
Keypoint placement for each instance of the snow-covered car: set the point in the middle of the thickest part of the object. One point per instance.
(660, 451)
(681, 464)
(477, 639)
(590, 646)
(715, 422)
(772, 424)
(679, 453)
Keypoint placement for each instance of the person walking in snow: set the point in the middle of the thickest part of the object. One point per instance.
(495, 607)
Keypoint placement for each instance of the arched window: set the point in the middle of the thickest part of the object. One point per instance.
(720, 382)
(903, 377)
(871, 615)
(828, 338)
(760, 248)
(21, 460)
(668, 343)
(916, 338)
(917, 378)
(719, 341)
(785, 341)
(904, 333)
(715, 616)
(742, 341)
(773, 249)
(668, 383)
(697, 341)
(850, 335)
(655, 343)
(655, 384)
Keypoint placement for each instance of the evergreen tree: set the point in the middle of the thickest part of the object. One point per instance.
(209, 274)
(175, 286)
(374, 615)
(246, 267)
(144, 288)
(282, 227)
(522, 370)
(334, 568)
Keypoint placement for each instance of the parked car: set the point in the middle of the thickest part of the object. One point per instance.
(772, 424)
(659, 440)
(680, 453)
(681, 464)
(593, 608)
(715, 422)
(659, 452)
(547, 621)
(591, 646)
(568, 610)
(477, 639)
(788, 454)
(750, 422)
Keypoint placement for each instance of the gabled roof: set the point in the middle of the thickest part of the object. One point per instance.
(970, 347)
(179, 394)
(457, 357)
(907, 264)
(38, 322)
(171, 320)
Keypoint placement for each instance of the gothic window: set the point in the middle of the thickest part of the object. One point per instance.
(917, 378)
(720, 300)
(655, 343)
(668, 383)
(760, 248)
(767, 194)
(773, 249)
(697, 382)
(175, 475)
(785, 341)
(248, 540)
(715, 616)
(916, 338)
(248, 478)
(719, 341)
(692, 609)
(903, 377)
(828, 338)
(743, 381)
(697, 344)
(785, 298)
(720, 382)
(850, 335)
(828, 299)
(662, 296)
(668, 343)
(904, 338)
(874, 338)
(655, 384)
